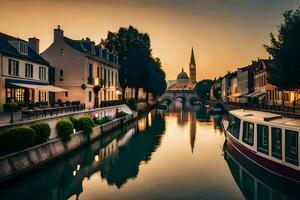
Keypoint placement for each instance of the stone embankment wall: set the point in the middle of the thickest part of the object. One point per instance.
(52, 120)
(19, 162)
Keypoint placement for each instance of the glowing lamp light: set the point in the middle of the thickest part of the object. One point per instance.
(97, 158)
(118, 92)
(74, 130)
(78, 167)
(74, 173)
(96, 81)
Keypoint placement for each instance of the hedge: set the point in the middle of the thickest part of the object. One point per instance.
(75, 123)
(103, 120)
(15, 139)
(64, 130)
(42, 132)
(86, 124)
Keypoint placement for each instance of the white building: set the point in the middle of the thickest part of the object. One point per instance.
(80, 65)
(24, 73)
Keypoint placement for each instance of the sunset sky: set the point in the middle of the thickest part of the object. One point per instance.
(225, 34)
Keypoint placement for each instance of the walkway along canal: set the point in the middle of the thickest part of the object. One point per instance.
(179, 153)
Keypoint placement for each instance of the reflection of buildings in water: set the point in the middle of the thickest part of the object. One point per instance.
(192, 130)
(182, 118)
(62, 179)
(256, 182)
(202, 115)
(138, 149)
(146, 121)
(217, 120)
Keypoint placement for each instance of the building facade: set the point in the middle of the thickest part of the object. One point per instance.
(25, 75)
(80, 66)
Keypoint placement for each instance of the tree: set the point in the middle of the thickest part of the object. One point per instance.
(134, 50)
(285, 50)
(96, 90)
(203, 88)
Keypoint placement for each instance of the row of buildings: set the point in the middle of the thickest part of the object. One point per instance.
(249, 84)
(67, 70)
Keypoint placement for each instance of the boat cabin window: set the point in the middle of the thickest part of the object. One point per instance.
(234, 126)
(277, 143)
(262, 139)
(291, 147)
(248, 133)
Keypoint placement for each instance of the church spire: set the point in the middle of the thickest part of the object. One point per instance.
(192, 61)
(193, 67)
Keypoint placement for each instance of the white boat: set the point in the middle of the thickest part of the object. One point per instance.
(269, 140)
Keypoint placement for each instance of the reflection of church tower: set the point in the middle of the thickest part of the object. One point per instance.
(192, 130)
(193, 68)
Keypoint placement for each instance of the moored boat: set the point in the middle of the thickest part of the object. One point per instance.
(269, 140)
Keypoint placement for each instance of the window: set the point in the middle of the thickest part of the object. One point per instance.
(234, 126)
(13, 67)
(116, 80)
(28, 70)
(112, 95)
(23, 48)
(105, 80)
(90, 96)
(90, 78)
(108, 78)
(248, 133)
(262, 139)
(112, 78)
(61, 75)
(98, 72)
(276, 143)
(42, 96)
(66, 94)
(42, 73)
(291, 147)
(19, 95)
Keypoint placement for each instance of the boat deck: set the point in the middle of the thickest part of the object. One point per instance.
(265, 116)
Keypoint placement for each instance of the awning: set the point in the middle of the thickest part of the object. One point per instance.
(49, 88)
(30, 86)
(258, 95)
(52, 88)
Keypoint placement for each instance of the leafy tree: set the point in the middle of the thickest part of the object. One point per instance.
(285, 49)
(134, 50)
(203, 88)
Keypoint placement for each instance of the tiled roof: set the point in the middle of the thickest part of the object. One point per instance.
(8, 49)
(85, 47)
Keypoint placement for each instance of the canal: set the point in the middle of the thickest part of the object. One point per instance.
(178, 153)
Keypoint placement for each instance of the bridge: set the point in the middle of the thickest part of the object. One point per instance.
(185, 95)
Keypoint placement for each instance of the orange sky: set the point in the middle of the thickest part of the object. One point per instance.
(225, 34)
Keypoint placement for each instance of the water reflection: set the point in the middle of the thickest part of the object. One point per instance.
(116, 157)
(256, 182)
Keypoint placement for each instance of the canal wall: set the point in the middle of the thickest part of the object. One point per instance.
(20, 162)
(52, 120)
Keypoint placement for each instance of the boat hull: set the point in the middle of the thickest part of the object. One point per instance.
(272, 166)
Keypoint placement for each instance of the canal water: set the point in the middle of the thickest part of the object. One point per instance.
(178, 153)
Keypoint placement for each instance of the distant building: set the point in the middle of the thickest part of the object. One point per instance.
(226, 86)
(215, 91)
(25, 75)
(183, 82)
(80, 65)
(234, 93)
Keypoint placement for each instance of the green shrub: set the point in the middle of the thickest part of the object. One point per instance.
(15, 139)
(64, 130)
(75, 123)
(121, 114)
(42, 132)
(103, 120)
(86, 124)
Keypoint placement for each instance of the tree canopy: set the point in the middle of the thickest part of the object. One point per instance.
(138, 67)
(285, 50)
(203, 88)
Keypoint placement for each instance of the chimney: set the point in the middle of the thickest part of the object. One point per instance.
(87, 39)
(34, 43)
(58, 34)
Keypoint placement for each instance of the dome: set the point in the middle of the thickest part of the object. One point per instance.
(182, 75)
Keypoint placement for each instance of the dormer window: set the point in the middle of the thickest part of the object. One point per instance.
(23, 48)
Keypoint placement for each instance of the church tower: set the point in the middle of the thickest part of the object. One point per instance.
(193, 68)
